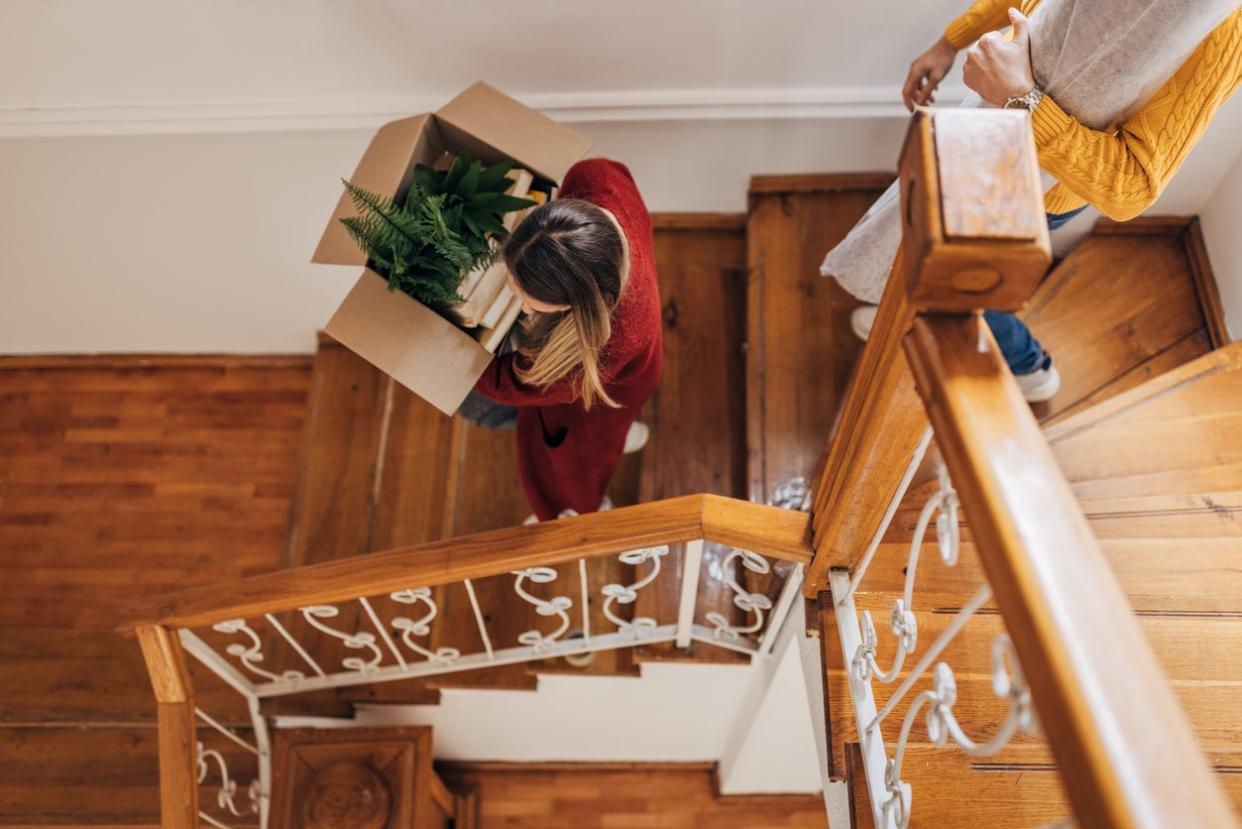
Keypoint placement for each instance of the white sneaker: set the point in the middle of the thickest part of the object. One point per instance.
(1039, 385)
(862, 320)
(636, 438)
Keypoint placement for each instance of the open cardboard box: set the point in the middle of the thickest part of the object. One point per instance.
(420, 349)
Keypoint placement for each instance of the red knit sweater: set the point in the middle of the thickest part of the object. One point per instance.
(566, 454)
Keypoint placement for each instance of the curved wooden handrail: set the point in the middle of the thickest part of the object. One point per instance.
(1127, 754)
(767, 530)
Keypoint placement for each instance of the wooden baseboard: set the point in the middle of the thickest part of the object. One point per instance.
(699, 221)
(1143, 226)
(140, 361)
(819, 182)
(1205, 285)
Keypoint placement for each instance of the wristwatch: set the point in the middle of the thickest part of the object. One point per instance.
(1029, 101)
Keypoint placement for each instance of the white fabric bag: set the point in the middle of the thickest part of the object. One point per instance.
(1100, 60)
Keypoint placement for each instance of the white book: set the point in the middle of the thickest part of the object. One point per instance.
(491, 338)
(498, 307)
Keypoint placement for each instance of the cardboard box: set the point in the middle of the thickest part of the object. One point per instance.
(416, 346)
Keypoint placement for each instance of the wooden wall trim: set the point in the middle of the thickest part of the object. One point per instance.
(699, 221)
(1125, 750)
(58, 362)
(819, 182)
(544, 766)
(1205, 284)
(1143, 226)
(767, 530)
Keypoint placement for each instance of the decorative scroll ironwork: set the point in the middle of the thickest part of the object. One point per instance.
(360, 640)
(422, 626)
(622, 594)
(746, 601)
(556, 606)
(251, 654)
(942, 725)
(226, 796)
(943, 506)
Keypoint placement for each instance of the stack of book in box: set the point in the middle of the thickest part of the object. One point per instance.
(488, 305)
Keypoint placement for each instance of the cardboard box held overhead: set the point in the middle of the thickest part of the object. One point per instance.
(416, 346)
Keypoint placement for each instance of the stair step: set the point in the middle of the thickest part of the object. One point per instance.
(800, 349)
(698, 413)
(949, 791)
(1175, 436)
(1195, 651)
(1121, 307)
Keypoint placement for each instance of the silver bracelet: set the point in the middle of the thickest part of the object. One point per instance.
(1029, 101)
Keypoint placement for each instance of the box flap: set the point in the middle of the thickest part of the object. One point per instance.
(408, 341)
(516, 130)
(384, 168)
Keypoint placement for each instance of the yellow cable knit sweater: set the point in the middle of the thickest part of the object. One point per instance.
(1121, 172)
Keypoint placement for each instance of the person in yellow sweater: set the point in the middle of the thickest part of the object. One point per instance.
(1120, 171)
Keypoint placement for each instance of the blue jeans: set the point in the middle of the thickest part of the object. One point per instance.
(1018, 346)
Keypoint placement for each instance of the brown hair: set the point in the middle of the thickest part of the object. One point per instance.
(568, 252)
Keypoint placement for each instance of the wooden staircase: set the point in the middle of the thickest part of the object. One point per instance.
(1165, 501)
(759, 358)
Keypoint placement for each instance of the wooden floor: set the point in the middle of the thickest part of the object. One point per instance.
(635, 797)
(121, 479)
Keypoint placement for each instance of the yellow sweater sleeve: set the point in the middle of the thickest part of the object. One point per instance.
(1121, 172)
(982, 17)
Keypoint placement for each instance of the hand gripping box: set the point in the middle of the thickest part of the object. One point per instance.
(412, 343)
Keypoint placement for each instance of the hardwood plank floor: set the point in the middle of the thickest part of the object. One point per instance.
(120, 478)
(615, 797)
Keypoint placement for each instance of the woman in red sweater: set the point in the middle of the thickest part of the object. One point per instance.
(590, 349)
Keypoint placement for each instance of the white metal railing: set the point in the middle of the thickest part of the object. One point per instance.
(413, 643)
(891, 797)
(227, 799)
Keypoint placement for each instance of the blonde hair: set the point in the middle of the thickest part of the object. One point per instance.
(568, 252)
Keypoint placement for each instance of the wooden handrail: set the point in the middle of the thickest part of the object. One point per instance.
(174, 696)
(973, 236)
(1126, 751)
(767, 530)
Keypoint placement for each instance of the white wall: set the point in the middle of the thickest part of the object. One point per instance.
(201, 242)
(1221, 218)
(167, 165)
(674, 712)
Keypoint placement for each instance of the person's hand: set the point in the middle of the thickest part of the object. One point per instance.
(925, 74)
(1000, 69)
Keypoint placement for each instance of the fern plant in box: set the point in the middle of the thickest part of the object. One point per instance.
(446, 226)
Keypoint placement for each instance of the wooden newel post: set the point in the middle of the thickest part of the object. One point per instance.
(974, 233)
(974, 237)
(174, 694)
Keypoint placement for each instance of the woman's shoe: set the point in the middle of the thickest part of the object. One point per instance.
(636, 438)
(1040, 385)
(862, 320)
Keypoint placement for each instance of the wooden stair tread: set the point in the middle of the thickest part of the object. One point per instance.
(698, 413)
(1195, 652)
(1162, 560)
(1118, 309)
(800, 348)
(1173, 436)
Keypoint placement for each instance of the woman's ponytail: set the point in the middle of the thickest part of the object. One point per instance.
(568, 252)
